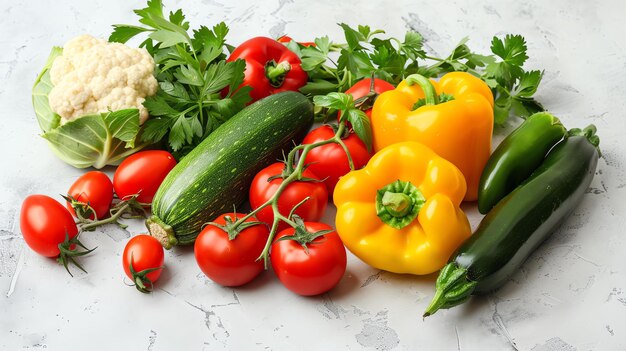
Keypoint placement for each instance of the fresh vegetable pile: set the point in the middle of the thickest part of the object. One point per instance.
(235, 168)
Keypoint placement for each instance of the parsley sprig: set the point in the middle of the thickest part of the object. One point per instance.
(192, 73)
(335, 67)
(360, 123)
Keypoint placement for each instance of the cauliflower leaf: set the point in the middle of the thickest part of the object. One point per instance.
(46, 118)
(96, 140)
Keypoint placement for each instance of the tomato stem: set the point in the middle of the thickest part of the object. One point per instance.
(83, 210)
(345, 149)
(366, 102)
(130, 205)
(67, 253)
(293, 210)
(293, 174)
(92, 224)
(140, 279)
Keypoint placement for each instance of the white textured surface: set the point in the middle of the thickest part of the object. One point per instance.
(570, 295)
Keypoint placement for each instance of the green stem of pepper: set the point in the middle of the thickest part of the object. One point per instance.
(397, 204)
(293, 175)
(430, 94)
(276, 72)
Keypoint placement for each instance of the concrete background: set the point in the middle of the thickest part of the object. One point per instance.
(570, 295)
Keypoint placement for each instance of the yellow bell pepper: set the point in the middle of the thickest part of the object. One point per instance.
(400, 213)
(454, 117)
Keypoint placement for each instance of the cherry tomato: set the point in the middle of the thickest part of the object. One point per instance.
(231, 262)
(330, 161)
(287, 39)
(145, 253)
(262, 190)
(142, 173)
(94, 189)
(362, 88)
(312, 271)
(45, 224)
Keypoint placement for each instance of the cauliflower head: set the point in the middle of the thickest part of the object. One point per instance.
(95, 76)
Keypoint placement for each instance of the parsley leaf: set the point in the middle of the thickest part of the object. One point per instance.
(528, 84)
(168, 38)
(318, 87)
(361, 125)
(123, 33)
(337, 101)
(357, 118)
(192, 72)
(217, 76)
(158, 106)
(501, 108)
(512, 52)
(353, 37)
(525, 107)
(156, 129)
(335, 67)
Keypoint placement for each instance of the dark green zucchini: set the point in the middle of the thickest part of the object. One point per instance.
(517, 156)
(521, 221)
(216, 175)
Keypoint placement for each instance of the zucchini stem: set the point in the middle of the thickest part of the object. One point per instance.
(452, 288)
(161, 231)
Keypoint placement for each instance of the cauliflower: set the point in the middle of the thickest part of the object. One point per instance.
(88, 100)
(94, 76)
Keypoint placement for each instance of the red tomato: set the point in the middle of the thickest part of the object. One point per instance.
(261, 190)
(45, 223)
(287, 39)
(330, 161)
(144, 252)
(362, 88)
(142, 173)
(231, 262)
(313, 272)
(94, 189)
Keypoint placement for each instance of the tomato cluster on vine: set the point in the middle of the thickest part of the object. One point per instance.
(52, 230)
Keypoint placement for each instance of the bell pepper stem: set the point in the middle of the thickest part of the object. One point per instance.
(430, 94)
(273, 72)
(397, 204)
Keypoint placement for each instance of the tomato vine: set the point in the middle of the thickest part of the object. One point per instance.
(294, 170)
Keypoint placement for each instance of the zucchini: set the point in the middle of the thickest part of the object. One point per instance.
(215, 176)
(520, 222)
